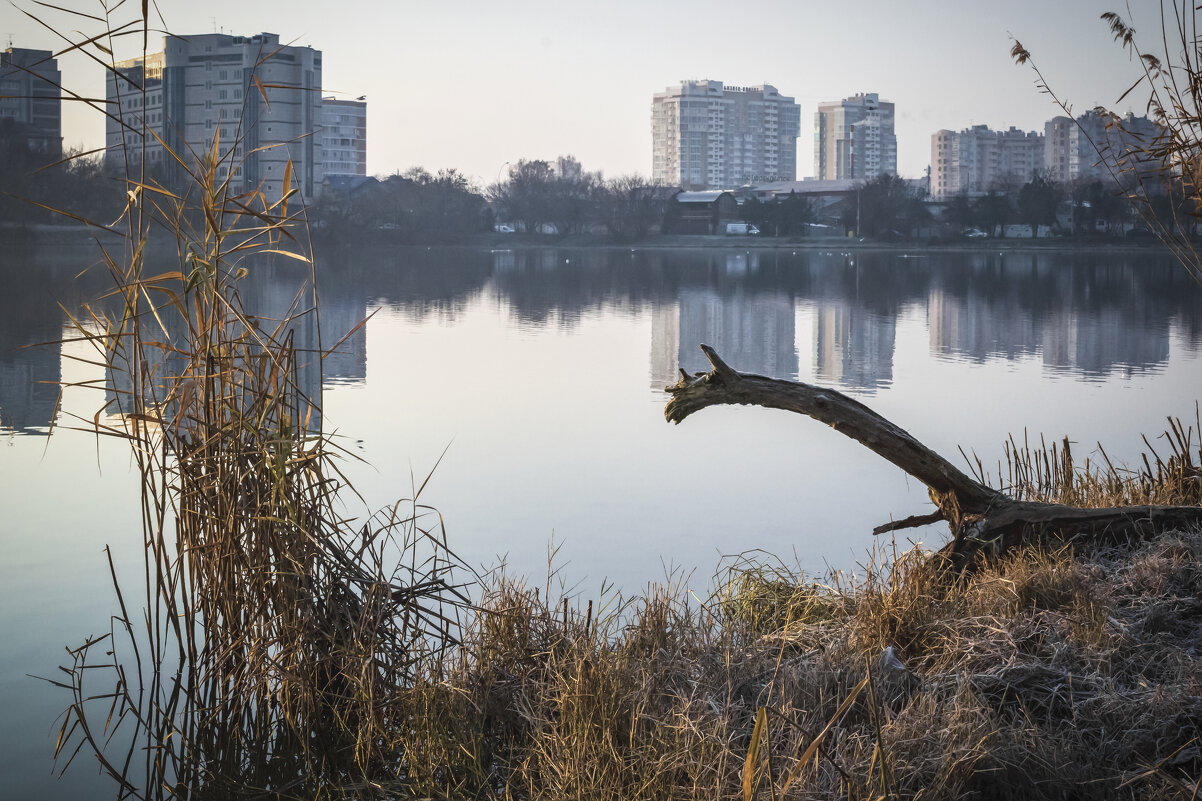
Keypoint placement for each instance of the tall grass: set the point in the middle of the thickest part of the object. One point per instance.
(1168, 475)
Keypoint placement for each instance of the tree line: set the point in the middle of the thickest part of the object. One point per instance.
(891, 207)
(559, 197)
(537, 196)
(40, 188)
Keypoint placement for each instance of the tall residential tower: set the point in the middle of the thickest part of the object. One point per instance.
(709, 136)
(257, 100)
(854, 139)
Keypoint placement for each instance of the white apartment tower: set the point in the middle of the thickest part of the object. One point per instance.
(257, 100)
(854, 139)
(976, 160)
(706, 135)
(344, 136)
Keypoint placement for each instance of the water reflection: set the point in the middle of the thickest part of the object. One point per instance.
(1089, 317)
(36, 281)
(1084, 315)
(853, 347)
(754, 330)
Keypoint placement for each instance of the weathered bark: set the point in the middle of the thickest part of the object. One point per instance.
(980, 517)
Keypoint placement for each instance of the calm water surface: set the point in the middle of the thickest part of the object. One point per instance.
(540, 373)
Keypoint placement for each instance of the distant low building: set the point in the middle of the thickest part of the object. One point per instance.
(705, 212)
(31, 100)
(825, 197)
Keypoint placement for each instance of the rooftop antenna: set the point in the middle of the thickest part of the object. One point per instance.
(213, 21)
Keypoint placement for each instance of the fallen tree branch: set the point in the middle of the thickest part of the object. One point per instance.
(980, 517)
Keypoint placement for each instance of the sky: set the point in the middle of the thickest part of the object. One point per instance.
(475, 85)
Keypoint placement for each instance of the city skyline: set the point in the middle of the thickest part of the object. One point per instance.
(477, 86)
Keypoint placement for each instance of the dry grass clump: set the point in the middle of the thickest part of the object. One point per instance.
(1050, 675)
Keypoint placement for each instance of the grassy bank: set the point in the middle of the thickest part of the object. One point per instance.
(1055, 674)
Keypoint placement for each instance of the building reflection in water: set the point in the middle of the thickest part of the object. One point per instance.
(1087, 319)
(272, 292)
(29, 377)
(853, 347)
(751, 328)
(32, 325)
(754, 331)
(1085, 314)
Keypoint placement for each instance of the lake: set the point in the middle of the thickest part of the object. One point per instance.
(536, 376)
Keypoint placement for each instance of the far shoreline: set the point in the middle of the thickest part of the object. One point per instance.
(78, 234)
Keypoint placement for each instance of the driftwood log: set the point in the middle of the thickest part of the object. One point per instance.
(982, 520)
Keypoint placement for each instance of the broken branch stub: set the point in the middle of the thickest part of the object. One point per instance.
(977, 515)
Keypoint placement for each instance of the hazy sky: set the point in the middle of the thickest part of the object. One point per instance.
(475, 84)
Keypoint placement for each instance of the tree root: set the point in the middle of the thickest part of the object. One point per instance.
(983, 521)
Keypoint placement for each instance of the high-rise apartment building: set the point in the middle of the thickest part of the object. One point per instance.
(854, 139)
(709, 136)
(257, 101)
(977, 160)
(344, 136)
(30, 99)
(1084, 147)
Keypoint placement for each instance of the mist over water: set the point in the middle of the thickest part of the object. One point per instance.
(540, 373)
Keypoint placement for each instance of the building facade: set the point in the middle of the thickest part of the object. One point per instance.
(854, 139)
(706, 135)
(257, 103)
(977, 160)
(1096, 145)
(30, 99)
(343, 136)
